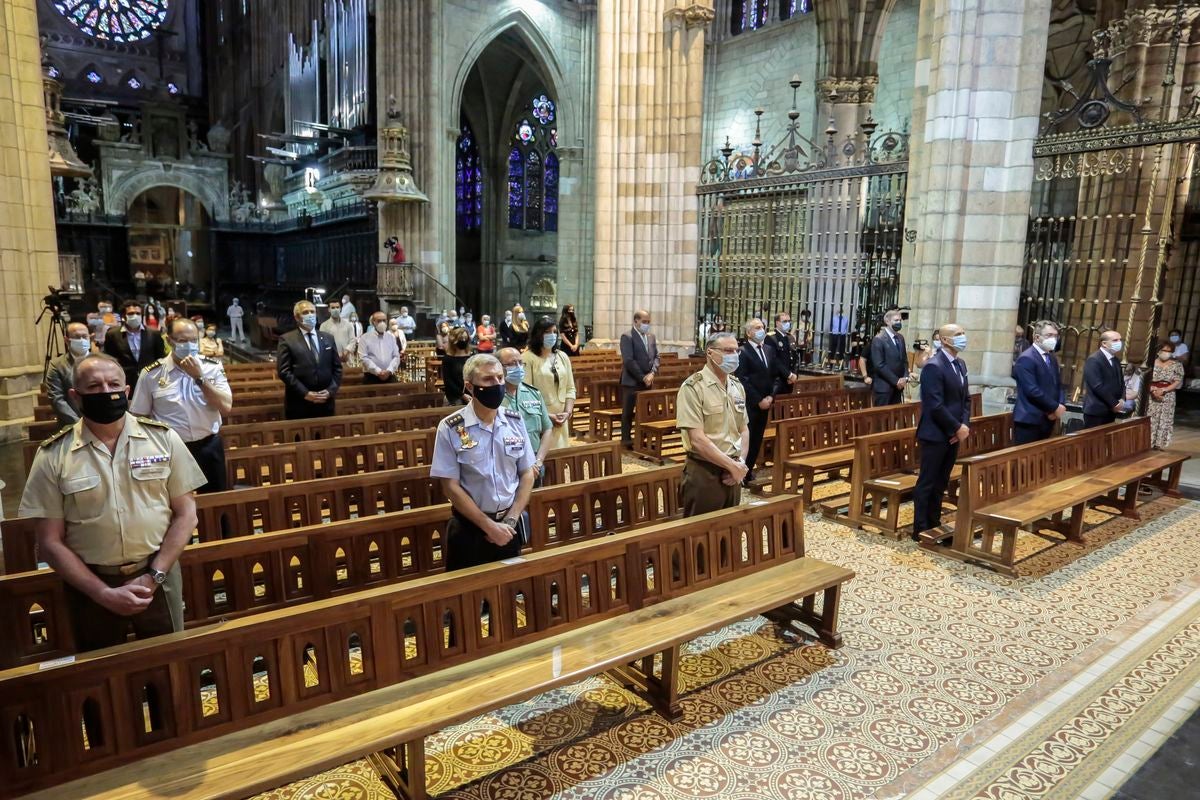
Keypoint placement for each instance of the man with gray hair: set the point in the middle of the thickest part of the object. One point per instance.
(309, 365)
(484, 459)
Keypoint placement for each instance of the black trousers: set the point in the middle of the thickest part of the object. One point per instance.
(369, 378)
(890, 397)
(757, 424)
(838, 345)
(1026, 433)
(299, 408)
(937, 460)
(1096, 420)
(468, 546)
(628, 402)
(209, 453)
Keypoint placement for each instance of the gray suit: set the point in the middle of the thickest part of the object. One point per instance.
(59, 378)
(638, 359)
(889, 363)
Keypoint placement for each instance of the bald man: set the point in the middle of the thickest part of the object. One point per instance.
(639, 365)
(60, 376)
(945, 416)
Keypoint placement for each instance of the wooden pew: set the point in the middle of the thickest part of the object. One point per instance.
(256, 434)
(823, 445)
(477, 639)
(326, 458)
(886, 467)
(347, 391)
(1048, 485)
(273, 411)
(256, 510)
(245, 575)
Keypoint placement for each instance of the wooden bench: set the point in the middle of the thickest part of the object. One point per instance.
(253, 573)
(326, 458)
(256, 434)
(885, 471)
(187, 715)
(1048, 485)
(347, 391)
(273, 411)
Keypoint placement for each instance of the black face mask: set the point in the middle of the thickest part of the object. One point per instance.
(488, 396)
(897, 325)
(104, 407)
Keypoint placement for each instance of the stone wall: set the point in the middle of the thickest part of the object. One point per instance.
(897, 62)
(28, 252)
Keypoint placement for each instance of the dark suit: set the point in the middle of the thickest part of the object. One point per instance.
(786, 355)
(1104, 383)
(889, 364)
(758, 379)
(116, 344)
(638, 359)
(945, 405)
(1039, 392)
(302, 372)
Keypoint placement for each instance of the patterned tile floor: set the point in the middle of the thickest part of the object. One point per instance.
(937, 653)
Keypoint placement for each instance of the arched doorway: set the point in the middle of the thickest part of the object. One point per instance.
(506, 177)
(169, 243)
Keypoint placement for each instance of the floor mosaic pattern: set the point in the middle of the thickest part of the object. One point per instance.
(935, 650)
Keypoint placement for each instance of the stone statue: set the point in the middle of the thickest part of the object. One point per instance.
(85, 197)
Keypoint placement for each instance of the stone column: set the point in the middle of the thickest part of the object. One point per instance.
(650, 81)
(846, 102)
(407, 61)
(28, 248)
(975, 116)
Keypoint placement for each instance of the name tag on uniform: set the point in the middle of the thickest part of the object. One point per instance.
(514, 442)
(147, 461)
(531, 405)
(740, 405)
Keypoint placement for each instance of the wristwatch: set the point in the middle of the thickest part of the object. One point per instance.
(159, 576)
(511, 522)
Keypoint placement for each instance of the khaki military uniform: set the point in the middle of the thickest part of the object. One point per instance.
(706, 407)
(117, 508)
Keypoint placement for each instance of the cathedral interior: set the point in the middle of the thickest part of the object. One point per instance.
(987, 164)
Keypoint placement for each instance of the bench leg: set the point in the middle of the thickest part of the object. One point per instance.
(402, 768)
(824, 624)
(661, 690)
(1129, 501)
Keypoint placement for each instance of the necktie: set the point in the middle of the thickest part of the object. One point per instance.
(899, 344)
(762, 354)
(311, 338)
(962, 375)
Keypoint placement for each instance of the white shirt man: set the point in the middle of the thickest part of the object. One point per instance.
(407, 323)
(340, 328)
(379, 351)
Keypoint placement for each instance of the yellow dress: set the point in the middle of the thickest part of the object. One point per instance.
(540, 374)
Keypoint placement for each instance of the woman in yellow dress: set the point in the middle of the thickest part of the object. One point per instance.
(548, 370)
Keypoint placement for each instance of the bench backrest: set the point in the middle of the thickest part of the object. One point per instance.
(817, 401)
(299, 430)
(995, 477)
(347, 391)
(165, 693)
(654, 405)
(829, 429)
(891, 452)
(325, 458)
(273, 411)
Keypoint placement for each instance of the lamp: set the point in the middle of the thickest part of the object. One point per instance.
(394, 183)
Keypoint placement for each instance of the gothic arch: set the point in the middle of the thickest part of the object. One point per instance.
(519, 21)
(126, 187)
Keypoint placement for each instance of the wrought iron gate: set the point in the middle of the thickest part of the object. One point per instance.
(802, 227)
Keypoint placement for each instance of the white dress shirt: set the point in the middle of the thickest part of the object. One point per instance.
(168, 394)
(379, 352)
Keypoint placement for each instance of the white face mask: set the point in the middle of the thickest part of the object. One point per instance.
(1049, 343)
(381, 327)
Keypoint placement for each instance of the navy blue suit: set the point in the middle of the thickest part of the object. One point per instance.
(945, 405)
(758, 379)
(1105, 385)
(1039, 392)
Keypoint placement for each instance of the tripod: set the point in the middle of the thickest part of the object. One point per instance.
(56, 334)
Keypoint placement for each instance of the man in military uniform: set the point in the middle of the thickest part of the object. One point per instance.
(190, 394)
(112, 496)
(61, 374)
(710, 412)
(520, 396)
(483, 456)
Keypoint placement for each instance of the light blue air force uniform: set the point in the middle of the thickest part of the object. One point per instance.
(487, 461)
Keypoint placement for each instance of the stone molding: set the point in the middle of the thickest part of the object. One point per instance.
(1143, 26)
(853, 90)
(691, 16)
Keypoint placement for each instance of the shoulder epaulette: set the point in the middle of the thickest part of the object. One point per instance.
(735, 379)
(455, 420)
(149, 367)
(533, 389)
(153, 423)
(54, 437)
(693, 379)
(511, 413)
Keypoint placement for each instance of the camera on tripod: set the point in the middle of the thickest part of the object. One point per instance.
(56, 301)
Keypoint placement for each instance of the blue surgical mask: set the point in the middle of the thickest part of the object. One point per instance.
(729, 363)
(1116, 346)
(79, 347)
(185, 349)
(1175, 338)
(760, 334)
(959, 342)
(549, 340)
(309, 321)
(897, 325)
(133, 321)
(515, 375)
(785, 326)
(644, 328)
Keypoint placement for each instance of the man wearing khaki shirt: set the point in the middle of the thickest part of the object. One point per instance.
(112, 495)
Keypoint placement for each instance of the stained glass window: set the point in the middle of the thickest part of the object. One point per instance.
(533, 168)
(133, 82)
(533, 191)
(172, 88)
(93, 77)
(550, 201)
(753, 14)
(52, 71)
(791, 8)
(116, 20)
(516, 189)
(758, 10)
(468, 181)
